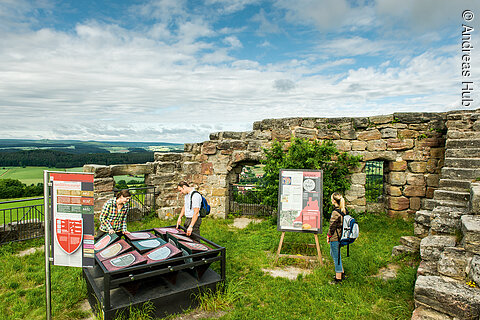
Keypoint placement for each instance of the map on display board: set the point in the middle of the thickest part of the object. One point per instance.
(72, 219)
(300, 199)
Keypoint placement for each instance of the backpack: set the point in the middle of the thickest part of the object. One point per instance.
(204, 206)
(350, 230)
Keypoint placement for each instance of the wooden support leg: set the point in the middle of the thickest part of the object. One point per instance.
(279, 247)
(317, 244)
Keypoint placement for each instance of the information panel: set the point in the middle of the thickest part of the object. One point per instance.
(72, 219)
(300, 200)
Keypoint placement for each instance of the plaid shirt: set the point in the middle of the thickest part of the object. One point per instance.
(110, 218)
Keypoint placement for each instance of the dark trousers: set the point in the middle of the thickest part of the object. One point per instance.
(196, 226)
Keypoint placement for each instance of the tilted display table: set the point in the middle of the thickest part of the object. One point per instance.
(170, 285)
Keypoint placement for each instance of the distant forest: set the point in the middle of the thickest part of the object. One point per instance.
(61, 159)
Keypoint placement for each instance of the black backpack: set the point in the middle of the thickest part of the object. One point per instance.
(204, 206)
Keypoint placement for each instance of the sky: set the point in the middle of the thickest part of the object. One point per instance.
(178, 70)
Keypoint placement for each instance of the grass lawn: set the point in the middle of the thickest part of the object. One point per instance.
(250, 293)
(29, 175)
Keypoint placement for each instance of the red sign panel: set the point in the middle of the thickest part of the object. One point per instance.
(69, 234)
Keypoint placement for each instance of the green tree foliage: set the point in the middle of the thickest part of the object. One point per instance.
(12, 188)
(120, 185)
(60, 159)
(303, 154)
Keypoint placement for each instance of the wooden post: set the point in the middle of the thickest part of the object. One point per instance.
(317, 244)
(279, 247)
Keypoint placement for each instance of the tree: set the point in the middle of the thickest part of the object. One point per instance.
(303, 154)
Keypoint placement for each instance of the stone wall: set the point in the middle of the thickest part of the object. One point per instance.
(412, 146)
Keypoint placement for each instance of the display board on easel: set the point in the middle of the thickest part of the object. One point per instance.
(300, 204)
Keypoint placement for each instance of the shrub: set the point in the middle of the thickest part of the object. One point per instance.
(303, 154)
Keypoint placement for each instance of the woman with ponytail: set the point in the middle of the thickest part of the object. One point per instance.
(334, 232)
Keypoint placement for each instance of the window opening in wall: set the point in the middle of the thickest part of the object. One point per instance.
(244, 196)
(142, 201)
(374, 181)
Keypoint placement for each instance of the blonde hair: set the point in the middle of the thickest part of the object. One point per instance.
(339, 201)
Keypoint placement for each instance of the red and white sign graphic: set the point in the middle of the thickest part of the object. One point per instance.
(69, 234)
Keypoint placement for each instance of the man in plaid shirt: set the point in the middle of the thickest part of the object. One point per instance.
(113, 218)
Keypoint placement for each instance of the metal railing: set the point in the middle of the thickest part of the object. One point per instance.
(141, 204)
(21, 219)
(245, 200)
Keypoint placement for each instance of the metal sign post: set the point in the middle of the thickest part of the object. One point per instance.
(46, 212)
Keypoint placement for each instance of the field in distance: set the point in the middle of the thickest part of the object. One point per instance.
(30, 175)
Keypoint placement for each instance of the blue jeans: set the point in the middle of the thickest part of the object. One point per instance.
(337, 258)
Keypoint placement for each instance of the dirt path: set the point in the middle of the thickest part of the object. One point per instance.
(4, 173)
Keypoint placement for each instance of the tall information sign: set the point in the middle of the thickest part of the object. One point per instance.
(73, 228)
(300, 199)
(69, 226)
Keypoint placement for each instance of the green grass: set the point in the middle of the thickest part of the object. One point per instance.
(30, 175)
(7, 216)
(249, 293)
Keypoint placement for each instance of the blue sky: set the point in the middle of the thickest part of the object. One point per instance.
(177, 70)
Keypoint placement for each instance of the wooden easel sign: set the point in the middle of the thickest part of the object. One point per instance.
(300, 205)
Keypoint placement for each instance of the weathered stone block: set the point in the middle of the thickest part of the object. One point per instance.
(475, 198)
(433, 180)
(369, 135)
(423, 313)
(103, 184)
(191, 167)
(305, 133)
(397, 144)
(431, 142)
(398, 203)
(161, 178)
(414, 155)
(424, 217)
(400, 165)
(407, 133)
(418, 167)
(166, 167)
(474, 269)
(209, 147)
(438, 153)
(394, 191)
(453, 263)
(207, 168)
(427, 268)
(398, 214)
(360, 123)
(414, 191)
(397, 178)
(471, 233)
(415, 203)
(388, 133)
(358, 178)
(448, 296)
(420, 230)
(376, 145)
(343, 145)
(416, 179)
(355, 191)
(381, 119)
(411, 242)
(432, 246)
(359, 145)
(98, 170)
(131, 169)
(168, 157)
(232, 135)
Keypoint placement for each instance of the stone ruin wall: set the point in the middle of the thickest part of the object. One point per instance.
(412, 146)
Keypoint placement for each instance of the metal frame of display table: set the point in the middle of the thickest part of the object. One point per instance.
(171, 285)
